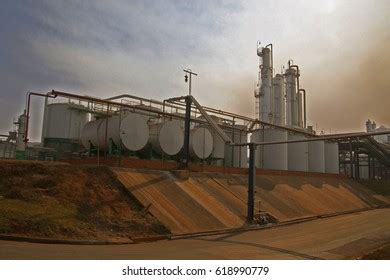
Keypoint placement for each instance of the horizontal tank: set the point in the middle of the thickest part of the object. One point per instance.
(147, 115)
(90, 134)
(218, 143)
(134, 132)
(271, 156)
(298, 153)
(317, 156)
(201, 142)
(332, 157)
(64, 120)
(130, 130)
(166, 137)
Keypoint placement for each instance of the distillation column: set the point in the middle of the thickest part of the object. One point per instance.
(264, 85)
(292, 118)
(279, 108)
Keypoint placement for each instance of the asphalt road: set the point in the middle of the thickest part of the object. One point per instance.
(341, 237)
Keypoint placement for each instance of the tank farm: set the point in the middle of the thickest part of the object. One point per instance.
(201, 170)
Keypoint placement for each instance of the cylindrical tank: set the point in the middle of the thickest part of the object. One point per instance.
(317, 156)
(129, 129)
(218, 143)
(297, 153)
(291, 97)
(147, 115)
(166, 137)
(201, 142)
(279, 92)
(237, 156)
(64, 121)
(332, 157)
(134, 132)
(271, 156)
(90, 134)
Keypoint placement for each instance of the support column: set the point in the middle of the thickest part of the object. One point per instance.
(251, 182)
(187, 132)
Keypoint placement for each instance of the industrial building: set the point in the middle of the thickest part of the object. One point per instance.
(181, 130)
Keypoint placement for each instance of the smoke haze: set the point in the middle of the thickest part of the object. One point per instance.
(104, 48)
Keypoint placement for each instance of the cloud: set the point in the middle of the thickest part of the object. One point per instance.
(108, 47)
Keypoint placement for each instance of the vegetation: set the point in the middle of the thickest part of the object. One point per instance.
(53, 200)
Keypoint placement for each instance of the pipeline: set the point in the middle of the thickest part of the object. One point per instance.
(304, 107)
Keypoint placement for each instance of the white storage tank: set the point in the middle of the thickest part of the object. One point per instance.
(90, 134)
(218, 151)
(317, 156)
(218, 146)
(64, 121)
(129, 129)
(147, 115)
(166, 137)
(332, 157)
(271, 156)
(297, 153)
(237, 156)
(201, 142)
(134, 132)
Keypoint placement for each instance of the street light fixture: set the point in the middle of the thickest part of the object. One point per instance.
(189, 71)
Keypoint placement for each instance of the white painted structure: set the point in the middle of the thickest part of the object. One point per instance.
(331, 157)
(166, 137)
(201, 142)
(317, 156)
(64, 121)
(291, 97)
(134, 132)
(298, 153)
(271, 156)
(264, 86)
(127, 130)
(279, 103)
(236, 156)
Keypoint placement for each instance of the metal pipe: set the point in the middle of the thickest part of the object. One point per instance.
(304, 107)
(295, 130)
(272, 59)
(54, 94)
(350, 158)
(325, 138)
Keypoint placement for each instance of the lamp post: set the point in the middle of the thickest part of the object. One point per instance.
(189, 71)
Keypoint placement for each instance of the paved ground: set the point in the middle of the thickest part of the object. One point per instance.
(341, 237)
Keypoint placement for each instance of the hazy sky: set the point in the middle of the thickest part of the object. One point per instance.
(104, 48)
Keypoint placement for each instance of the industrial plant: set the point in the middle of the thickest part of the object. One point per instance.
(126, 169)
(77, 127)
